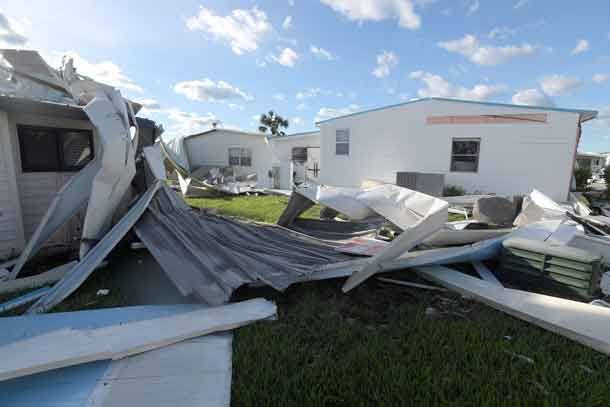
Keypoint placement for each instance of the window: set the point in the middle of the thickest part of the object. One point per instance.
(240, 157)
(49, 149)
(465, 155)
(342, 142)
(299, 154)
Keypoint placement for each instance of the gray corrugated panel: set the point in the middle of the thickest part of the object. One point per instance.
(210, 256)
(69, 283)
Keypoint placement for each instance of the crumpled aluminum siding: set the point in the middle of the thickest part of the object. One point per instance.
(210, 256)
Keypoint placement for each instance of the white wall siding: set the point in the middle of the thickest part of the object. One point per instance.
(213, 149)
(282, 151)
(11, 230)
(38, 189)
(514, 157)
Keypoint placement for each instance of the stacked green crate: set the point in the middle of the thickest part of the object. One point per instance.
(572, 268)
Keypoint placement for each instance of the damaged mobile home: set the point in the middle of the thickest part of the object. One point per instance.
(235, 162)
(82, 171)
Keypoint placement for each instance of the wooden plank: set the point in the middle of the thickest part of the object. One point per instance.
(581, 322)
(485, 273)
(69, 347)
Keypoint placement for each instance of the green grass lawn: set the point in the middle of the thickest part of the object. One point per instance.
(376, 346)
(262, 208)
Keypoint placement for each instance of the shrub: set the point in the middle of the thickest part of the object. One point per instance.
(453, 190)
(582, 175)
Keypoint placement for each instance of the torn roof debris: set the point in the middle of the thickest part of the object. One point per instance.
(119, 190)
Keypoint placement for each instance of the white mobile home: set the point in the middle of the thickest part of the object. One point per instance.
(42, 145)
(482, 147)
(296, 158)
(592, 161)
(245, 152)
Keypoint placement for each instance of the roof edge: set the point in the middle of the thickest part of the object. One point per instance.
(585, 115)
(209, 131)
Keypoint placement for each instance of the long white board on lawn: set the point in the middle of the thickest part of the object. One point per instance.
(584, 323)
(69, 347)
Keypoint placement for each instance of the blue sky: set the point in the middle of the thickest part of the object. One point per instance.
(192, 62)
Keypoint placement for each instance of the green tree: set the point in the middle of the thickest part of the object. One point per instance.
(273, 122)
(582, 175)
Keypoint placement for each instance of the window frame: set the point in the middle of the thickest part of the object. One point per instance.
(57, 134)
(346, 143)
(241, 156)
(477, 155)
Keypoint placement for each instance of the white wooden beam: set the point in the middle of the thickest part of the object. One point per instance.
(69, 347)
(581, 322)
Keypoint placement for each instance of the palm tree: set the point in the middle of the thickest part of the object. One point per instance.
(273, 122)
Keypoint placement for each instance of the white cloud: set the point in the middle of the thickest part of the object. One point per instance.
(386, 61)
(288, 57)
(437, 86)
(556, 85)
(243, 29)
(105, 72)
(308, 93)
(520, 4)
(473, 8)
(185, 123)
(236, 106)
(209, 91)
(600, 77)
(287, 24)
(280, 97)
(502, 33)
(470, 47)
(11, 34)
(581, 46)
(321, 53)
(532, 97)
(149, 105)
(330, 112)
(297, 121)
(377, 10)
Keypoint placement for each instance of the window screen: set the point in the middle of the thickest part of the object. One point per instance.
(465, 155)
(342, 142)
(38, 149)
(240, 157)
(76, 149)
(49, 149)
(299, 154)
(234, 156)
(246, 157)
